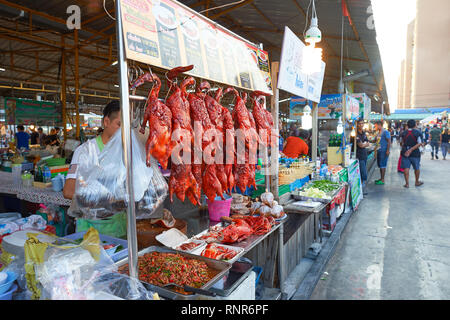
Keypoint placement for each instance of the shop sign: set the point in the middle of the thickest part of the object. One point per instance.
(330, 106)
(26, 112)
(167, 34)
(296, 106)
(291, 78)
(94, 122)
(352, 107)
(365, 105)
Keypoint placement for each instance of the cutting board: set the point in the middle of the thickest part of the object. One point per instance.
(146, 232)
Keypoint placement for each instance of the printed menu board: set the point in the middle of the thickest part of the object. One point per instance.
(167, 34)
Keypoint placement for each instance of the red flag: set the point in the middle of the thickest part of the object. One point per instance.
(345, 12)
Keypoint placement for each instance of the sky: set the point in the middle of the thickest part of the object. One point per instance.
(391, 20)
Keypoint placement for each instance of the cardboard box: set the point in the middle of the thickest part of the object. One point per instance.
(335, 156)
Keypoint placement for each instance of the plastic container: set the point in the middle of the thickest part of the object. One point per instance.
(17, 174)
(219, 208)
(12, 276)
(8, 295)
(9, 216)
(118, 255)
(57, 184)
(47, 174)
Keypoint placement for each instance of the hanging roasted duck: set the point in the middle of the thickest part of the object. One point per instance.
(229, 142)
(263, 118)
(215, 112)
(246, 143)
(159, 117)
(210, 183)
(181, 182)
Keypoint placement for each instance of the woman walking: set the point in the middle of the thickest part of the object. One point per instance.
(444, 140)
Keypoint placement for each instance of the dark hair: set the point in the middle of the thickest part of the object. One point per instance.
(379, 122)
(411, 123)
(111, 108)
(303, 134)
(40, 129)
(56, 128)
(20, 127)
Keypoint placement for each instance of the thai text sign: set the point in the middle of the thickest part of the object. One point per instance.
(167, 34)
(291, 78)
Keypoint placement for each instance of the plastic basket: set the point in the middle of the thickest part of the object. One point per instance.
(219, 208)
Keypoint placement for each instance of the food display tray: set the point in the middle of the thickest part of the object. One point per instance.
(221, 266)
(239, 251)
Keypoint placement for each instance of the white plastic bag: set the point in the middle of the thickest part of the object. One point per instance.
(101, 185)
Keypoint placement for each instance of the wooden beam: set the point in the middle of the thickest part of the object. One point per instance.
(226, 11)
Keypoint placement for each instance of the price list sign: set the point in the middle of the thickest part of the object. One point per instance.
(167, 34)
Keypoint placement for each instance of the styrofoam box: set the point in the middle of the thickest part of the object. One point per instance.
(119, 255)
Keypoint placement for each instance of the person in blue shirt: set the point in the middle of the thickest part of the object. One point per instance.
(383, 152)
(22, 138)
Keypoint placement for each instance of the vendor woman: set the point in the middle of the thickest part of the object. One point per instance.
(89, 152)
(295, 145)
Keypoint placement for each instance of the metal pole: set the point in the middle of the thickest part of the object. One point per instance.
(126, 143)
(275, 113)
(315, 131)
(63, 89)
(281, 275)
(77, 85)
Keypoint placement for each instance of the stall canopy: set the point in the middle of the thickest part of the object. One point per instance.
(34, 33)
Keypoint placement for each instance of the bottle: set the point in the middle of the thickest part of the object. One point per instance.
(47, 175)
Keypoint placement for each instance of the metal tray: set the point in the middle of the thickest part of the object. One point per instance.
(238, 273)
(222, 266)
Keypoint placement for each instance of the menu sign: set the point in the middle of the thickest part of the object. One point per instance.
(291, 78)
(166, 34)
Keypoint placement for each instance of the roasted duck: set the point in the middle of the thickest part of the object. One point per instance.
(211, 184)
(159, 117)
(182, 182)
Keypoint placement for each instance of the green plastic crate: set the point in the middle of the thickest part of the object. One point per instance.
(54, 162)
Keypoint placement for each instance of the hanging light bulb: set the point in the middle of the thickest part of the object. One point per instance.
(306, 118)
(340, 127)
(312, 56)
(353, 133)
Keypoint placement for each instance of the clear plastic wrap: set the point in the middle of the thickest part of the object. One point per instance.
(101, 187)
(119, 286)
(65, 270)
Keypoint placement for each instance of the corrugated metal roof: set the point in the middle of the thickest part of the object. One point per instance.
(259, 21)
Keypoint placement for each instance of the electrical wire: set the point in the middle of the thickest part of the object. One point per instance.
(104, 7)
(222, 6)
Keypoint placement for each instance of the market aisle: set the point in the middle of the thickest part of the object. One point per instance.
(397, 245)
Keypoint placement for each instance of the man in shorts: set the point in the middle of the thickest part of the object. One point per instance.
(383, 151)
(411, 140)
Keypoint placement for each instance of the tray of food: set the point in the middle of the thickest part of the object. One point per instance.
(191, 246)
(160, 267)
(318, 190)
(222, 252)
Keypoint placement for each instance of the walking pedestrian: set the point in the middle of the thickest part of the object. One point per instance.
(435, 135)
(411, 141)
(362, 142)
(445, 143)
(383, 152)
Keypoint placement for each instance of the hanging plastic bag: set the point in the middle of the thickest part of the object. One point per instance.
(101, 186)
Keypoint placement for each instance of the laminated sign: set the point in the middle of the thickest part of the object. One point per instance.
(167, 34)
(291, 78)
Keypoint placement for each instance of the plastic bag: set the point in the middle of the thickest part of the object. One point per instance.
(65, 270)
(154, 196)
(101, 185)
(119, 286)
